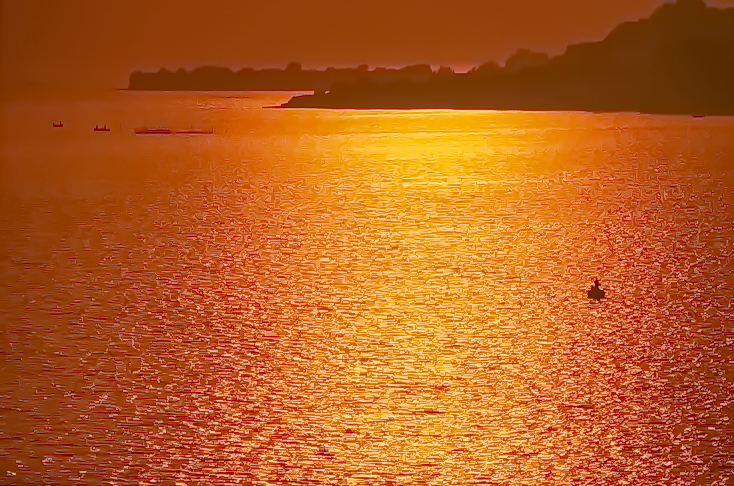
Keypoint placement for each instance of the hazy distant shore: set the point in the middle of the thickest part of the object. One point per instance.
(678, 61)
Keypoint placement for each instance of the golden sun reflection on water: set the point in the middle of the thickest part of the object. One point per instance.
(468, 350)
(325, 297)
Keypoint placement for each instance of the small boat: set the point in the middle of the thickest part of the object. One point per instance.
(153, 131)
(58, 125)
(596, 292)
(193, 132)
(97, 128)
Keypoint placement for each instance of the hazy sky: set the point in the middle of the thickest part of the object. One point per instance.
(97, 43)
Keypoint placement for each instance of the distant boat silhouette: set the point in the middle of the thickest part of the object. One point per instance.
(153, 131)
(168, 131)
(97, 128)
(58, 125)
(596, 292)
(195, 131)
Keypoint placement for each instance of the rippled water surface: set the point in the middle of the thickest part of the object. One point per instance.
(364, 297)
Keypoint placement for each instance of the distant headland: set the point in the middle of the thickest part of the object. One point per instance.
(680, 60)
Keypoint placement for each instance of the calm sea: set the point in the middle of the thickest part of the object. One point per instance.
(363, 297)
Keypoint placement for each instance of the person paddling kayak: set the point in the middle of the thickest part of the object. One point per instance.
(596, 292)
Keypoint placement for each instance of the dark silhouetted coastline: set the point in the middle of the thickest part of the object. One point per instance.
(292, 78)
(680, 60)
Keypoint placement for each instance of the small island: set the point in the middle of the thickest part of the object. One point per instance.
(680, 60)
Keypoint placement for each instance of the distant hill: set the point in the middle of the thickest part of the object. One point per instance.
(680, 60)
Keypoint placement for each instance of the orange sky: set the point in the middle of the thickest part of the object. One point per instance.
(96, 43)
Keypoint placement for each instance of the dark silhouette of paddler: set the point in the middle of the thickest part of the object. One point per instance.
(596, 292)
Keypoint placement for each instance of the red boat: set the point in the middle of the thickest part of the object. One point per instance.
(101, 129)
